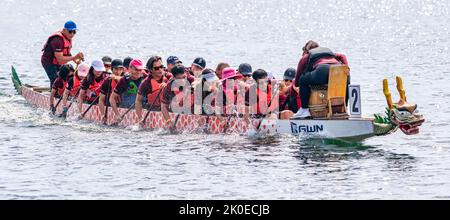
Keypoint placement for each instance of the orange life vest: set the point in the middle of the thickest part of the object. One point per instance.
(264, 100)
(66, 48)
(152, 96)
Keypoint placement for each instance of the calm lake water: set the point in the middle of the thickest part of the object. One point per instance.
(46, 158)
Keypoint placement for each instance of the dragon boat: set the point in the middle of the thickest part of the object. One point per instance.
(330, 121)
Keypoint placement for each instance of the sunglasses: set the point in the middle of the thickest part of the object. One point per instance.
(107, 65)
(158, 67)
(288, 80)
(73, 32)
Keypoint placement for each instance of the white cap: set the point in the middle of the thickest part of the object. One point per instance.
(83, 69)
(98, 65)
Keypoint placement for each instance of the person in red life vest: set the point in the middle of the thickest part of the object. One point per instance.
(151, 86)
(258, 98)
(220, 68)
(197, 67)
(126, 90)
(313, 69)
(90, 86)
(177, 96)
(107, 63)
(228, 93)
(204, 90)
(245, 70)
(57, 50)
(73, 85)
(109, 85)
(65, 72)
(292, 98)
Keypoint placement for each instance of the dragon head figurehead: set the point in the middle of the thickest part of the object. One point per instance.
(403, 115)
(406, 117)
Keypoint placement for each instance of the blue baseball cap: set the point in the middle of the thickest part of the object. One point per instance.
(245, 69)
(199, 61)
(70, 25)
(173, 60)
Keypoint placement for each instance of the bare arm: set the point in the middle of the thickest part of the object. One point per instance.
(101, 104)
(113, 101)
(138, 106)
(80, 100)
(165, 111)
(65, 96)
(64, 59)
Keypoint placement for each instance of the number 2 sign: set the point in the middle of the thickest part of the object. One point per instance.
(354, 101)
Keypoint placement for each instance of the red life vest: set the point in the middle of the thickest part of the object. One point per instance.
(230, 97)
(93, 91)
(153, 94)
(264, 99)
(66, 48)
(76, 85)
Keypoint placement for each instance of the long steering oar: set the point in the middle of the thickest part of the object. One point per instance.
(89, 108)
(151, 106)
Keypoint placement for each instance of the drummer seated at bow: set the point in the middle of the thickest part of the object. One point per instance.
(65, 73)
(313, 69)
(149, 90)
(127, 88)
(90, 86)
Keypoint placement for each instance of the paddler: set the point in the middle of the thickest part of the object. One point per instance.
(258, 98)
(177, 93)
(149, 89)
(313, 69)
(127, 88)
(65, 73)
(73, 86)
(90, 86)
(109, 85)
(292, 100)
(57, 50)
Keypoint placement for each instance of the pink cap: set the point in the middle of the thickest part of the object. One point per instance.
(137, 63)
(83, 69)
(230, 73)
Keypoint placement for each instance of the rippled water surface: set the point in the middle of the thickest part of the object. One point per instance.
(46, 158)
